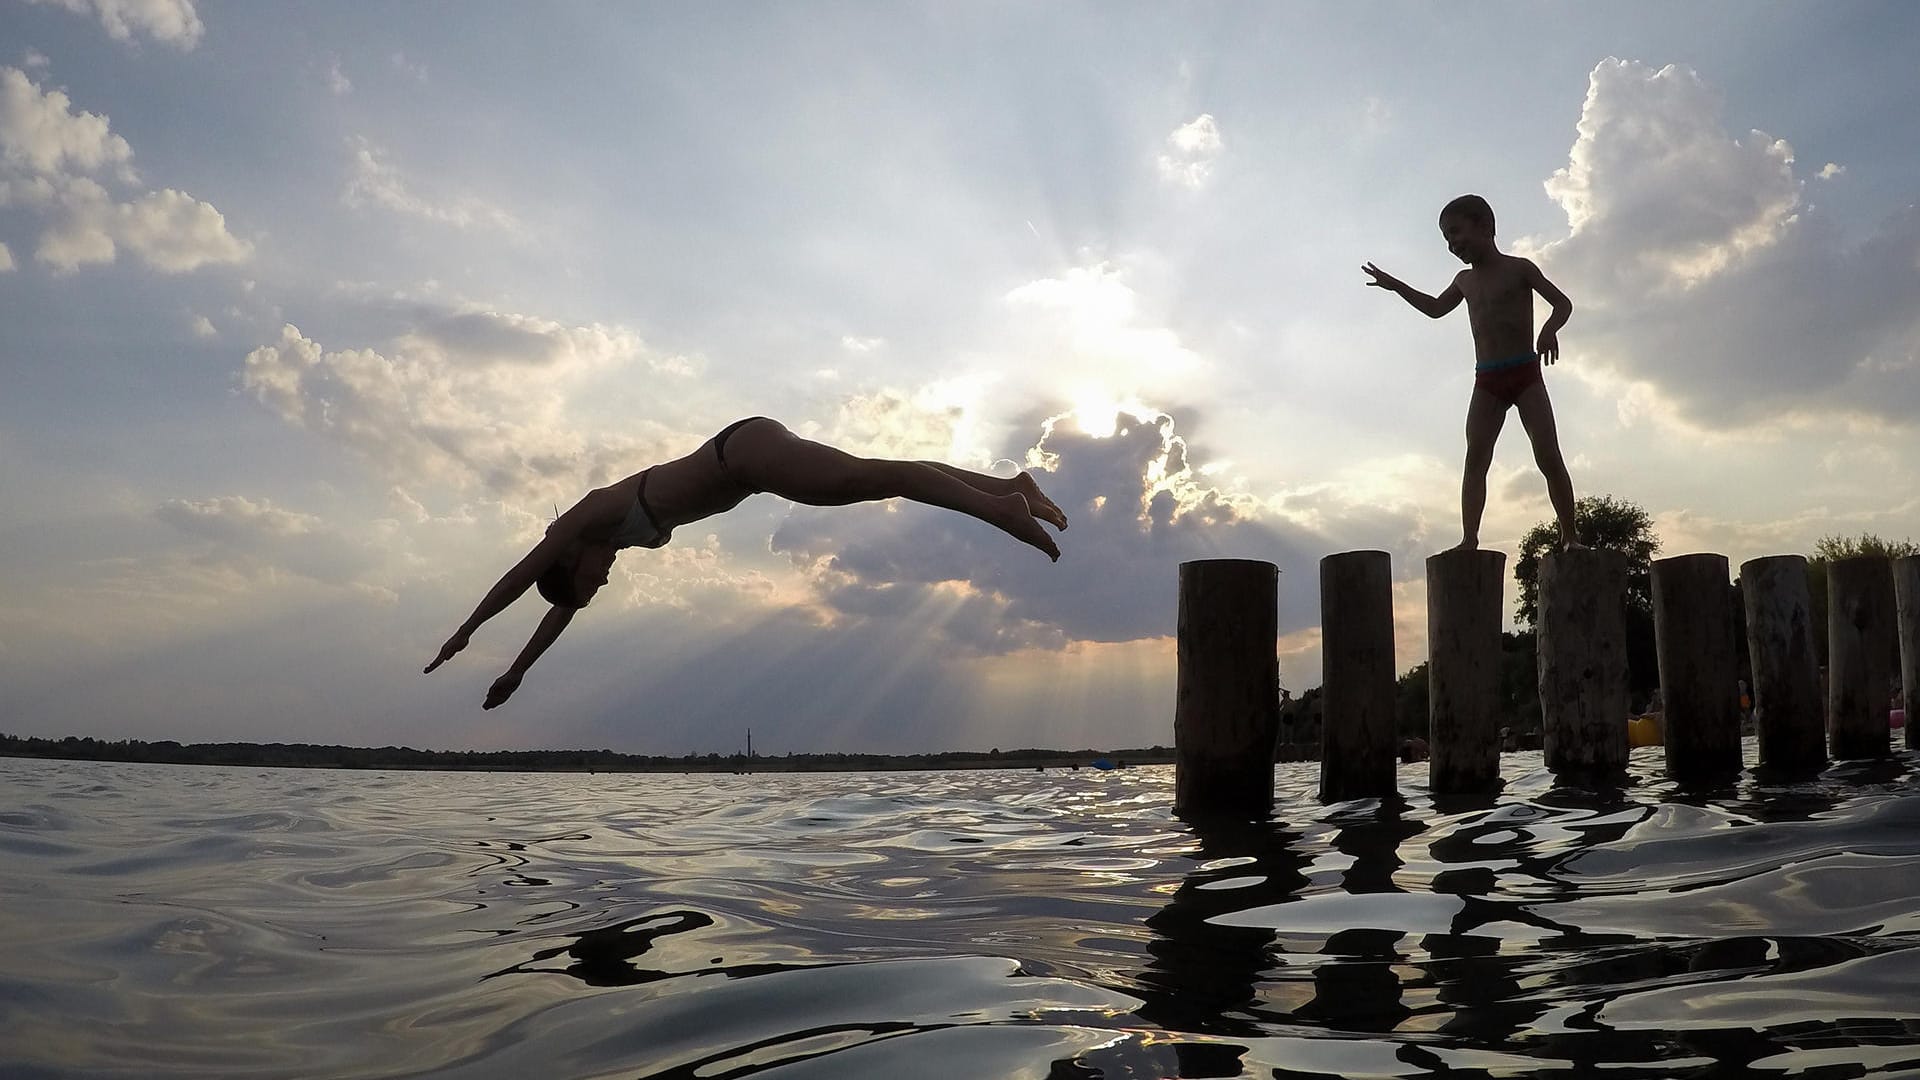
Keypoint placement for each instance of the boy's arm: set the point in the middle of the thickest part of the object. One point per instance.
(1431, 306)
(555, 620)
(1549, 344)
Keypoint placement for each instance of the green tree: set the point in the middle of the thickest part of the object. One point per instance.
(1826, 550)
(1410, 702)
(1603, 521)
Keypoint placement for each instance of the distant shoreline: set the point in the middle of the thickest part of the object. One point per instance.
(316, 756)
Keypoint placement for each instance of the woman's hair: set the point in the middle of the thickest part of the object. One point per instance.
(1470, 207)
(556, 583)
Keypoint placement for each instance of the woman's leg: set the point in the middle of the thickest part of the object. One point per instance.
(775, 460)
(1043, 507)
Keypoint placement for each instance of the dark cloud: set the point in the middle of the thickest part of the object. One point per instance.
(1136, 508)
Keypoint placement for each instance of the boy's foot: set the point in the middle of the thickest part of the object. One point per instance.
(1037, 501)
(1012, 515)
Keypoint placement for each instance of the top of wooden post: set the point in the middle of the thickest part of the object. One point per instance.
(1231, 562)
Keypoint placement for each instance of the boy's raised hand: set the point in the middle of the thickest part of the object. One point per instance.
(1381, 279)
(1549, 347)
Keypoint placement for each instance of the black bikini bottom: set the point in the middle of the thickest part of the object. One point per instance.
(720, 448)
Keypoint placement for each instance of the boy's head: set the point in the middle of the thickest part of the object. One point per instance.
(1466, 224)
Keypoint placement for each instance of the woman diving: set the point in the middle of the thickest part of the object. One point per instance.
(757, 454)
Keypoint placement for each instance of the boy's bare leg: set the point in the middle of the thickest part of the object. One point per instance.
(1536, 415)
(1486, 415)
(1043, 508)
(805, 471)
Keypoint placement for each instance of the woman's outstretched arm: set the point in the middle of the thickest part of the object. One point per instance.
(515, 582)
(550, 626)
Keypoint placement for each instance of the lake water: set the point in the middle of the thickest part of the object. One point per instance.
(168, 921)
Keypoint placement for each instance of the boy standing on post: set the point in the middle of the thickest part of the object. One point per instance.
(1498, 289)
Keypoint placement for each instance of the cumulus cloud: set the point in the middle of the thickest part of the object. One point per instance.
(474, 398)
(891, 423)
(1190, 152)
(1699, 270)
(52, 162)
(172, 21)
(258, 537)
(376, 182)
(1654, 173)
(1137, 504)
(41, 134)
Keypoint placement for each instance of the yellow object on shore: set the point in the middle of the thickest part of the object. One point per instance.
(1644, 730)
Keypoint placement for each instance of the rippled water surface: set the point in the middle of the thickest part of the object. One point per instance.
(167, 921)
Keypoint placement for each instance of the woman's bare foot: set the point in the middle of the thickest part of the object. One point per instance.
(1015, 517)
(1037, 501)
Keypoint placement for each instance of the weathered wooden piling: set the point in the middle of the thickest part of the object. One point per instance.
(1226, 701)
(1906, 600)
(1356, 677)
(1859, 651)
(1786, 671)
(1582, 651)
(1463, 669)
(1699, 667)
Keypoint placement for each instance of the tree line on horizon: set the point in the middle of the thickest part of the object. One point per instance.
(318, 756)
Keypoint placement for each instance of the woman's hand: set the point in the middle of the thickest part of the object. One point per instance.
(454, 644)
(502, 689)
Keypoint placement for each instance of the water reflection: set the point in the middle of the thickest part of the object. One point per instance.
(604, 956)
(958, 925)
(1201, 974)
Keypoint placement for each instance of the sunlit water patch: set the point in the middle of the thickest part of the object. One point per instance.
(160, 921)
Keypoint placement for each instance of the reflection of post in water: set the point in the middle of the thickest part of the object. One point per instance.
(1202, 975)
(1355, 985)
(604, 957)
(1466, 970)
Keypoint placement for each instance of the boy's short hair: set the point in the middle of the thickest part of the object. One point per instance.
(1472, 207)
(556, 585)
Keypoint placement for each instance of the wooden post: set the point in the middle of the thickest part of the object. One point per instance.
(1583, 664)
(1786, 672)
(1906, 594)
(1859, 650)
(1699, 667)
(1227, 697)
(1463, 671)
(1356, 676)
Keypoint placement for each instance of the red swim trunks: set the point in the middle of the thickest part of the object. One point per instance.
(1508, 379)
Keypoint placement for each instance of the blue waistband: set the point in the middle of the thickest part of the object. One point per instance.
(1502, 365)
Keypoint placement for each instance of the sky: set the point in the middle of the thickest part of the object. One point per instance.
(312, 314)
